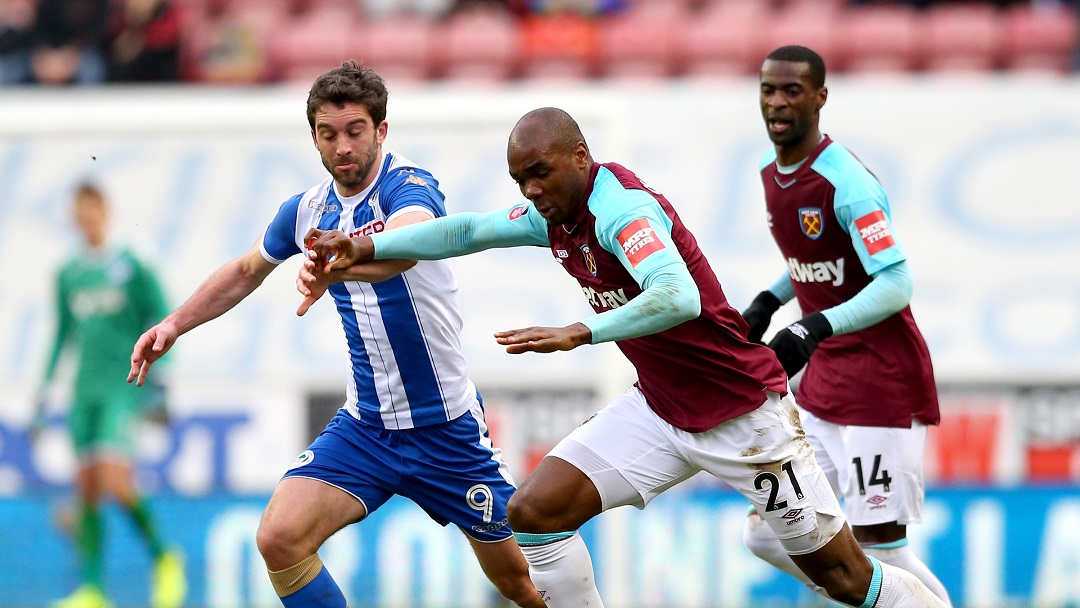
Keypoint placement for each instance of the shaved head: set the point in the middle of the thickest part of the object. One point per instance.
(550, 162)
(548, 128)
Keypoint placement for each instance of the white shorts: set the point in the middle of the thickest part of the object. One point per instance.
(632, 455)
(878, 471)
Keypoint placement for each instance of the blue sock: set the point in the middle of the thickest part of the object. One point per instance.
(321, 592)
(875, 585)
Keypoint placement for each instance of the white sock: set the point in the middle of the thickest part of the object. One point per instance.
(905, 558)
(900, 588)
(562, 571)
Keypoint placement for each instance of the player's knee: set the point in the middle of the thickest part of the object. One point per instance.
(527, 516)
(278, 545)
(522, 514)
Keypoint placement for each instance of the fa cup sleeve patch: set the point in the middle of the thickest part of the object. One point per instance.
(874, 232)
(638, 241)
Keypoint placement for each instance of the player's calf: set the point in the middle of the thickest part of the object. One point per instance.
(561, 568)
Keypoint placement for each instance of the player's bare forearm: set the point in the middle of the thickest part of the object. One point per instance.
(544, 339)
(218, 294)
(222, 291)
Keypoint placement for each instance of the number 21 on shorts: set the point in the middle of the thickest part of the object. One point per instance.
(774, 487)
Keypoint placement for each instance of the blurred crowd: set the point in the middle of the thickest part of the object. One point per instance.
(57, 42)
(74, 42)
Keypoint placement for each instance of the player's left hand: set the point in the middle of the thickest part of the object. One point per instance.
(544, 339)
(759, 313)
(795, 343)
(311, 282)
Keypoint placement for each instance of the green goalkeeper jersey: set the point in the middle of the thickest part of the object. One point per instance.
(105, 300)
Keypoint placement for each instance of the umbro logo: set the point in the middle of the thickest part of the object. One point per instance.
(799, 330)
(782, 184)
(793, 516)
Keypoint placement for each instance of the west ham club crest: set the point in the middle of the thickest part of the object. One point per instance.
(590, 261)
(811, 221)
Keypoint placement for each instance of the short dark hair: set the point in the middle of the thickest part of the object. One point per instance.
(89, 190)
(802, 54)
(352, 82)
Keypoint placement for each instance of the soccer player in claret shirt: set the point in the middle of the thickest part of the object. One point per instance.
(412, 423)
(706, 398)
(868, 392)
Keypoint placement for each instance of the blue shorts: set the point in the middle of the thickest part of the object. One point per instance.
(451, 470)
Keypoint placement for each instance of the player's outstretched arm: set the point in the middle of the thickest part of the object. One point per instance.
(217, 295)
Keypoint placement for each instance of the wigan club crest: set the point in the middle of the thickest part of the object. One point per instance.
(811, 221)
(590, 261)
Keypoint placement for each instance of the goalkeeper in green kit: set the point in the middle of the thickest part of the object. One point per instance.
(105, 298)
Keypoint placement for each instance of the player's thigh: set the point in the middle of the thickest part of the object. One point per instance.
(885, 481)
(453, 472)
(765, 456)
(356, 460)
(307, 511)
(626, 450)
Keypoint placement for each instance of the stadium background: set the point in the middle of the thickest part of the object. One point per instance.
(973, 142)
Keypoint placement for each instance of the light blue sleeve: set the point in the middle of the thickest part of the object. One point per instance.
(862, 208)
(887, 294)
(783, 289)
(461, 234)
(669, 294)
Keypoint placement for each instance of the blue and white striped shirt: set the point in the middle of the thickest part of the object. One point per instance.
(407, 368)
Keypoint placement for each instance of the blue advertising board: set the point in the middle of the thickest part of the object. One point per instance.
(989, 546)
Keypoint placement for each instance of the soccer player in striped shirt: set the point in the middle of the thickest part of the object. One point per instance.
(706, 398)
(868, 392)
(412, 423)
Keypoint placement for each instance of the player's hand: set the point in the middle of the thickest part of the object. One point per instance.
(334, 249)
(544, 339)
(311, 282)
(150, 347)
(759, 313)
(795, 343)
